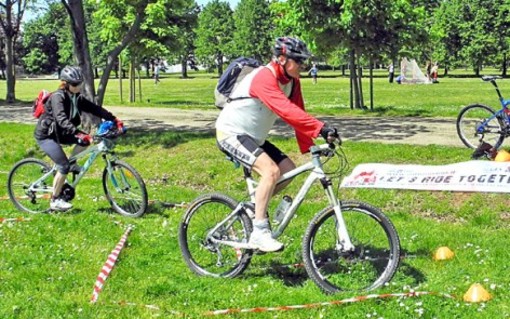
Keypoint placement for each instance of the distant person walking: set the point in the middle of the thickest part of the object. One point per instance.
(391, 72)
(156, 73)
(433, 72)
(313, 72)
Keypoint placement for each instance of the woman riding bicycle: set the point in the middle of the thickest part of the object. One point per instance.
(59, 125)
(243, 126)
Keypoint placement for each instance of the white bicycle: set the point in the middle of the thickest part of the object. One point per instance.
(348, 245)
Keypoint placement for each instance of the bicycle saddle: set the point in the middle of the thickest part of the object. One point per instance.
(488, 78)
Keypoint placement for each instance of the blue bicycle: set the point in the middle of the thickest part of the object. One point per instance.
(478, 123)
(30, 181)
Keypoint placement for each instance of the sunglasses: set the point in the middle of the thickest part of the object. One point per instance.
(75, 84)
(299, 60)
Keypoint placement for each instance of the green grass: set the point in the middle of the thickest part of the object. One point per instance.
(48, 265)
(329, 97)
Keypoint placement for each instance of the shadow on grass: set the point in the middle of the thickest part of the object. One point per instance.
(294, 275)
(171, 103)
(162, 135)
(372, 128)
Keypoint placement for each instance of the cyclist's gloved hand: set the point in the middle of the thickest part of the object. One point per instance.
(83, 139)
(330, 134)
(120, 126)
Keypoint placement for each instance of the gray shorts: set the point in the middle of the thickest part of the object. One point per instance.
(245, 150)
(56, 153)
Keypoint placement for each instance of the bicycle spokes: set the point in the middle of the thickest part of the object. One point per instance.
(125, 189)
(30, 185)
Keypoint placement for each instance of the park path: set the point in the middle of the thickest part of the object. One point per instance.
(404, 130)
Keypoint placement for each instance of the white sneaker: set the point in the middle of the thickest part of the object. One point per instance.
(60, 205)
(261, 239)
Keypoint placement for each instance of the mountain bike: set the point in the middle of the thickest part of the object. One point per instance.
(30, 181)
(478, 123)
(348, 245)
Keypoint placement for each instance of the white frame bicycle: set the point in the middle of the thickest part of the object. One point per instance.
(341, 247)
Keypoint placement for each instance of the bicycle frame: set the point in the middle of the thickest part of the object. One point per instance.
(317, 173)
(104, 146)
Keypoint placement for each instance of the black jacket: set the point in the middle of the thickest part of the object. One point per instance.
(56, 121)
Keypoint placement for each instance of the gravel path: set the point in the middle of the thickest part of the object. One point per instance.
(404, 130)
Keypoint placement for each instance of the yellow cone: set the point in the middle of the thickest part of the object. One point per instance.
(476, 293)
(443, 253)
(502, 156)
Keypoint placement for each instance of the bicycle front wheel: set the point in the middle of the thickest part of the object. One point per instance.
(204, 256)
(372, 263)
(478, 123)
(23, 193)
(125, 189)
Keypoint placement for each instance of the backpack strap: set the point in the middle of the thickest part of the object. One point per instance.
(271, 68)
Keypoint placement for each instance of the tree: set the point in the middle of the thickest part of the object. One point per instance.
(41, 37)
(475, 32)
(364, 27)
(11, 14)
(214, 33)
(252, 35)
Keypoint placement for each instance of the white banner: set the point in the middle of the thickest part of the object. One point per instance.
(472, 176)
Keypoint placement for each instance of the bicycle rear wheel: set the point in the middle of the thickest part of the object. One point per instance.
(205, 257)
(477, 123)
(21, 178)
(372, 263)
(125, 189)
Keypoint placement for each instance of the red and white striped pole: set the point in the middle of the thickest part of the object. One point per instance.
(322, 304)
(108, 266)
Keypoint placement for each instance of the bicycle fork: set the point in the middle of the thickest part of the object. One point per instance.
(344, 242)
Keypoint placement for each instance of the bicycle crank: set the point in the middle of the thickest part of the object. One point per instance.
(68, 192)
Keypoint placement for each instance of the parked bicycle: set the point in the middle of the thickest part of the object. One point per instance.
(478, 123)
(348, 245)
(30, 180)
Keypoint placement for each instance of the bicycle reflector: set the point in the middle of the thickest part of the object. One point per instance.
(105, 128)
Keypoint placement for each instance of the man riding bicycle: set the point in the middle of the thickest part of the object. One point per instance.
(59, 125)
(244, 124)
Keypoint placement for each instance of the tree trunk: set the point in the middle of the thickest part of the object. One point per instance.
(140, 98)
(184, 67)
(504, 67)
(148, 68)
(9, 70)
(219, 60)
(371, 86)
(81, 52)
(10, 19)
(120, 77)
(132, 83)
(360, 85)
(354, 81)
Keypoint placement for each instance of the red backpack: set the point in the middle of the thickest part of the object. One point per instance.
(38, 106)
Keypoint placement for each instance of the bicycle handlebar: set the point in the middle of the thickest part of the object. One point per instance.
(326, 148)
(111, 134)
